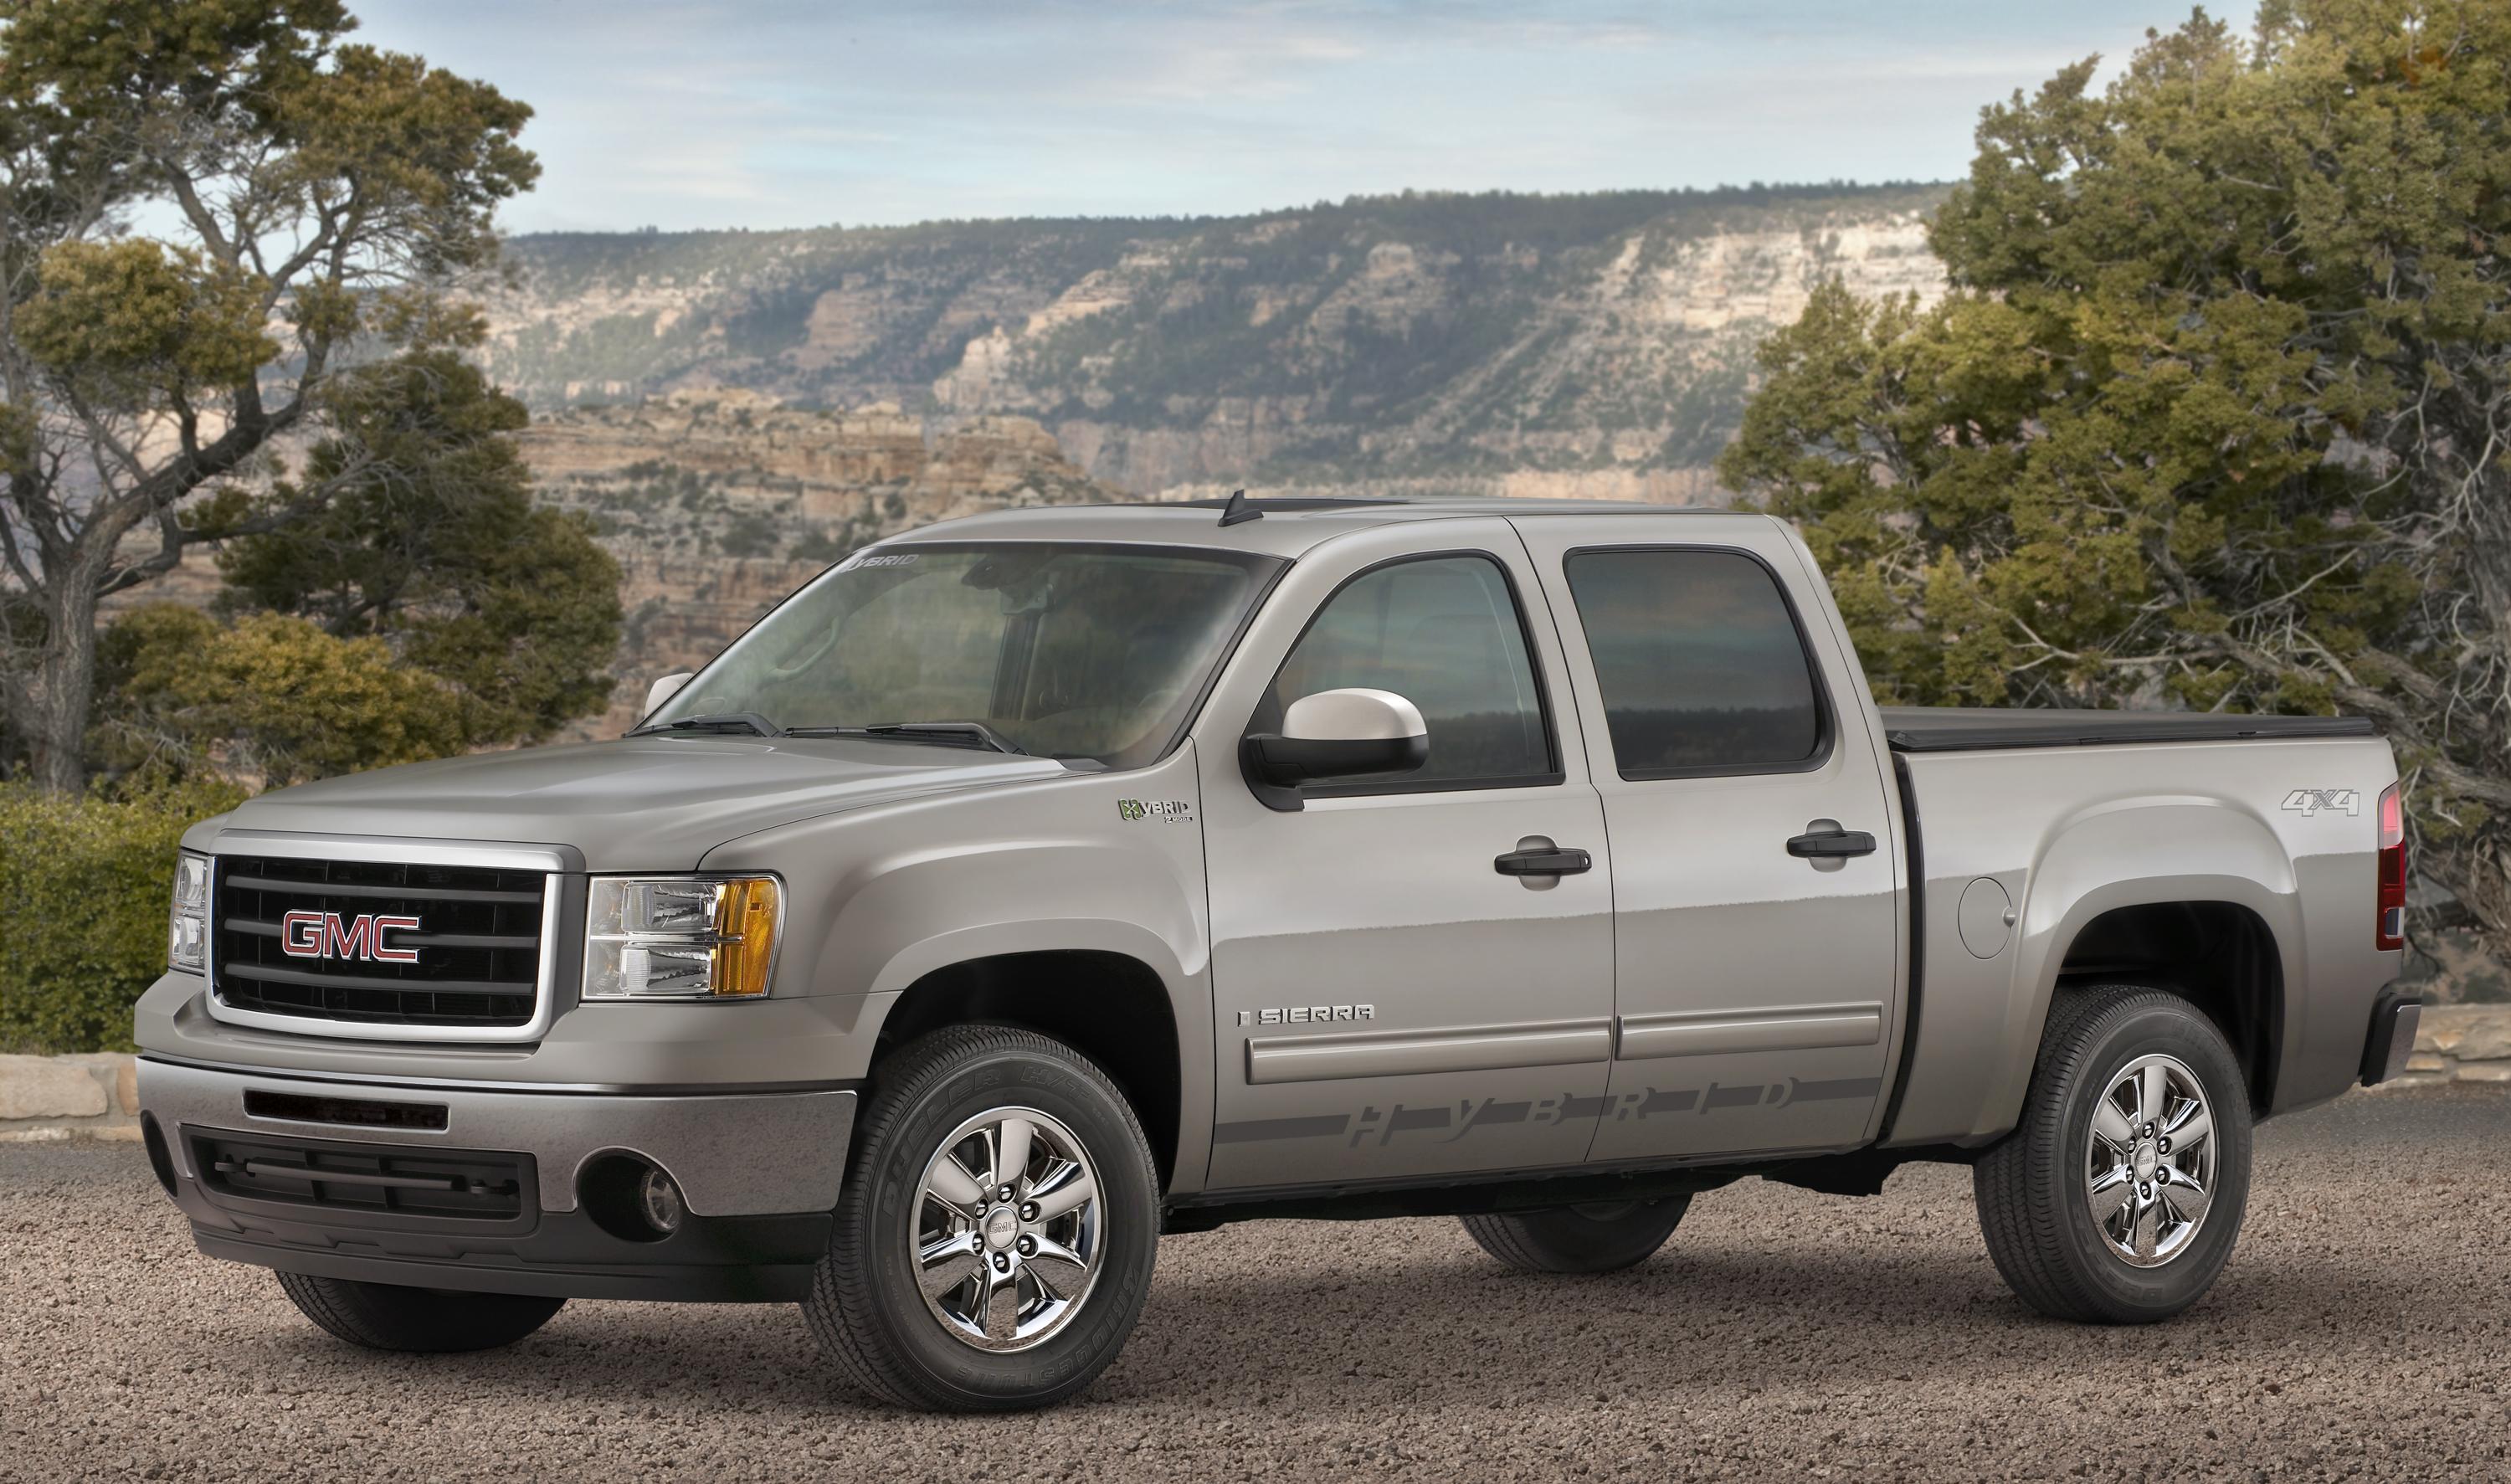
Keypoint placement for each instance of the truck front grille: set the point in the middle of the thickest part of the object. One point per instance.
(476, 941)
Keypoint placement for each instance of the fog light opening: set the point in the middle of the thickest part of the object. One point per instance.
(632, 1198)
(658, 1201)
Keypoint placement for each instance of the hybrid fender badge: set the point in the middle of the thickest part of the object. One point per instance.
(2308, 803)
(1305, 1015)
(326, 935)
(1174, 811)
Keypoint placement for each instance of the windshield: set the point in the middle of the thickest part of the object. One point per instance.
(1063, 649)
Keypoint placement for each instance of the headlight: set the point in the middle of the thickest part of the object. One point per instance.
(187, 926)
(680, 937)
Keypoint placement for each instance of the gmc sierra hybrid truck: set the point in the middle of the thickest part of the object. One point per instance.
(1028, 886)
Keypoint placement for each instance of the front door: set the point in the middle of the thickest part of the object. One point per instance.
(1390, 1002)
(1753, 878)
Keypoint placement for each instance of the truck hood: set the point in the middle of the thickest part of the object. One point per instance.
(639, 803)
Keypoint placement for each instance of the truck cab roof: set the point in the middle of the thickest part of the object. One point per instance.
(1290, 526)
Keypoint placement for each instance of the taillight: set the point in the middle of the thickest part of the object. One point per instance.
(2391, 932)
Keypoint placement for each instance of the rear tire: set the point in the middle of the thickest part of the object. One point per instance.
(2119, 1196)
(384, 1316)
(1591, 1238)
(903, 1302)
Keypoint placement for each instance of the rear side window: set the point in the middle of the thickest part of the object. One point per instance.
(1700, 663)
(1444, 633)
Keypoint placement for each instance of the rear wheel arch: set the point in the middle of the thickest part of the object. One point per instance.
(1113, 1007)
(2147, 858)
(2221, 957)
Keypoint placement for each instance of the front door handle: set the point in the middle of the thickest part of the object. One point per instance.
(1558, 860)
(1822, 845)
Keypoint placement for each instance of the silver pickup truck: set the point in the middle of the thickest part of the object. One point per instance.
(1031, 886)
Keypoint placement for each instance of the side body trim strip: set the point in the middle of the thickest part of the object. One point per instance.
(1708, 1033)
(1410, 1053)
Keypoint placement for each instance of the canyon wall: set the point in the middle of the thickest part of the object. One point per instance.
(1588, 345)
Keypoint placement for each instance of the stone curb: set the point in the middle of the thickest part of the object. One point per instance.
(43, 1098)
(96, 1095)
(2460, 1043)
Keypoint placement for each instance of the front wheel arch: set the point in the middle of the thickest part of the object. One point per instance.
(1111, 1007)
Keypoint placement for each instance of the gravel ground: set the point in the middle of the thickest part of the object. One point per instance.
(2361, 1330)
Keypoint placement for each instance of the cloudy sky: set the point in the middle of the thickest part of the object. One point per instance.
(777, 113)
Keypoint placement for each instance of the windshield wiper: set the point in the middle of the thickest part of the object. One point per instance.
(727, 720)
(947, 733)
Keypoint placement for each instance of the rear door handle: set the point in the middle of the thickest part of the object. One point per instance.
(1830, 843)
(1553, 862)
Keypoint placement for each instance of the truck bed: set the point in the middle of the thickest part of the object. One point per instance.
(2026, 829)
(1959, 729)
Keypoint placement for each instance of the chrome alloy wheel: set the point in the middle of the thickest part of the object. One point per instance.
(1008, 1230)
(2149, 1162)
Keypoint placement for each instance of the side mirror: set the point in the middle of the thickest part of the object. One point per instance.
(1335, 734)
(663, 690)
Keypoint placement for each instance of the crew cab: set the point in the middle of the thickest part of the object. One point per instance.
(1030, 886)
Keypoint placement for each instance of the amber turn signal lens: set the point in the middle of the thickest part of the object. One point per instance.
(744, 925)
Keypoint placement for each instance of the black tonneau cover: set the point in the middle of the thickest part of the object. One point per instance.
(1958, 730)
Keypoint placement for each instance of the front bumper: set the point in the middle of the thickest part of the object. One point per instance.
(759, 1173)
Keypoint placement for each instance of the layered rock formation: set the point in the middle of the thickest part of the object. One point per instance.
(1591, 345)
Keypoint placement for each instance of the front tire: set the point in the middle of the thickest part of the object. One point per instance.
(1588, 1239)
(2119, 1196)
(994, 1239)
(384, 1316)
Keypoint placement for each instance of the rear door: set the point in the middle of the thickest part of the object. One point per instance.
(1391, 1002)
(1755, 929)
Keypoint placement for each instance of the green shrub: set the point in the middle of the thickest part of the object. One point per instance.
(271, 695)
(85, 882)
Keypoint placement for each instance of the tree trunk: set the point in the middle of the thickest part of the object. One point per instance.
(2477, 871)
(65, 688)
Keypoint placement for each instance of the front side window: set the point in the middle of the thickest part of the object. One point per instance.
(1699, 663)
(1063, 649)
(1442, 633)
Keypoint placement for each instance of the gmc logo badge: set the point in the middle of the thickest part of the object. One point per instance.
(323, 935)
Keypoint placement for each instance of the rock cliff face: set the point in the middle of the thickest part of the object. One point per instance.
(1596, 345)
(737, 410)
(718, 503)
